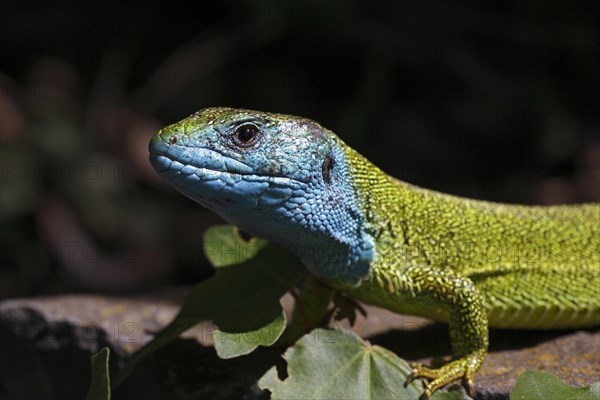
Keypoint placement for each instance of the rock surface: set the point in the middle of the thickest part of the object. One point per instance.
(46, 344)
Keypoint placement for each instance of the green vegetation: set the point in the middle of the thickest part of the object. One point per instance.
(242, 299)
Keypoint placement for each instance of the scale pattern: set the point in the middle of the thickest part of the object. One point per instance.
(411, 250)
(536, 267)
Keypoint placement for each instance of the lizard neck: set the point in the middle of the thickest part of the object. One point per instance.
(328, 226)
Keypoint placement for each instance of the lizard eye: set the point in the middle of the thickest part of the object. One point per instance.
(246, 135)
(327, 168)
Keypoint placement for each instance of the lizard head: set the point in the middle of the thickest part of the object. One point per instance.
(280, 177)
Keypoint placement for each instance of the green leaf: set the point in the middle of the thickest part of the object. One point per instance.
(100, 387)
(454, 392)
(537, 385)
(327, 364)
(242, 297)
(230, 345)
(223, 246)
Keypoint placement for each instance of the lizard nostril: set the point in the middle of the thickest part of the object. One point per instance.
(173, 139)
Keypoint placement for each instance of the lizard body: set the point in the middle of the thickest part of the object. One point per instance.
(386, 242)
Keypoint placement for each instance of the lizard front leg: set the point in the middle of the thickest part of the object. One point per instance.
(434, 287)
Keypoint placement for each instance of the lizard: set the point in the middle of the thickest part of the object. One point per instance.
(470, 263)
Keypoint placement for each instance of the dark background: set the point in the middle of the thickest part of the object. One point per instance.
(497, 101)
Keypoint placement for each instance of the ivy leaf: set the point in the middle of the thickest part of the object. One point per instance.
(241, 298)
(537, 385)
(230, 345)
(100, 386)
(327, 364)
(223, 245)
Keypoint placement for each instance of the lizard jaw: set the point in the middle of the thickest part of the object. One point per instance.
(167, 166)
(205, 163)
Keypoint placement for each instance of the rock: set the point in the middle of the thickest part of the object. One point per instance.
(47, 342)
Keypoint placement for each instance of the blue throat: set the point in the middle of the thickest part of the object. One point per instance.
(318, 219)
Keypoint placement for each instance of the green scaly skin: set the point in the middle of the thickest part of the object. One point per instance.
(473, 262)
(470, 263)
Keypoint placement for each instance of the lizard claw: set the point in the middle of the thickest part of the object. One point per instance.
(414, 373)
(469, 386)
(411, 377)
(437, 378)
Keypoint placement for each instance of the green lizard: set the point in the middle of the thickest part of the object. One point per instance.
(385, 242)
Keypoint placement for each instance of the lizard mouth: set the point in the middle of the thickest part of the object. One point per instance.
(202, 164)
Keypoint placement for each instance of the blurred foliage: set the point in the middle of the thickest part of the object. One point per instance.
(100, 382)
(242, 298)
(496, 101)
(538, 385)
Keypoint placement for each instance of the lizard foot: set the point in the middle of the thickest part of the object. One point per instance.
(463, 368)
